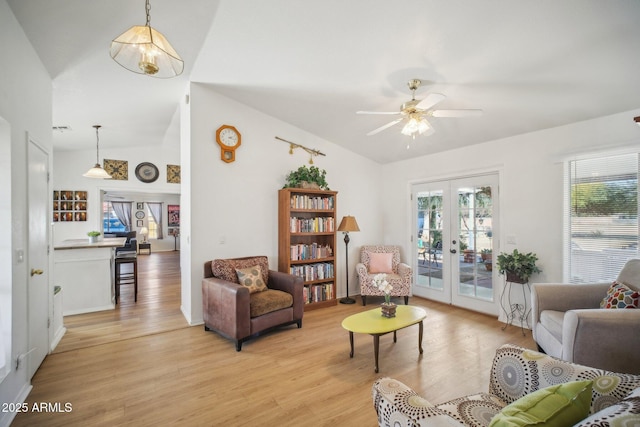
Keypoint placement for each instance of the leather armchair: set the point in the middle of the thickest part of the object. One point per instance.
(399, 274)
(569, 324)
(229, 309)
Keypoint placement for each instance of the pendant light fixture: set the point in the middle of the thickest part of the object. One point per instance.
(143, 50)
(97, 171)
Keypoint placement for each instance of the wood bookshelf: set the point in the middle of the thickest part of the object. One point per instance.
(307, 241)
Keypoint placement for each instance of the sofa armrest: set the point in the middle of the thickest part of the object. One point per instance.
(404, 269)
(612, 332)
(397, 404)
(564, 297)
(361, 269)
(225, 307)
(291, 284)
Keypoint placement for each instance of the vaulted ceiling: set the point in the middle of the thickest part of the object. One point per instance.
(528, 65)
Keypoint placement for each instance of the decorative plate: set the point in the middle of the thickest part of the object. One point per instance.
(147, 172)
(140, 214)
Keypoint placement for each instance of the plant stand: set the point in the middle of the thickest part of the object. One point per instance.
(516, 311)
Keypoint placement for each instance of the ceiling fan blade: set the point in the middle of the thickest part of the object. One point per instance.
(431, 100)
(377, 112)
(456, 113)
(381, 128)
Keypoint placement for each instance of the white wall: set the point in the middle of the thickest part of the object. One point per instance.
(25, 103)
(69, 166)
(531, 182)
(237, 203)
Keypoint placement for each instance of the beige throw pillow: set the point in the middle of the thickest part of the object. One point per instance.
(251, 278)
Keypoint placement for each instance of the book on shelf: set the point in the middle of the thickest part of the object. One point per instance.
(312, 272)
(312, 225)
(318, 293)
(302, 252)
(306, 201)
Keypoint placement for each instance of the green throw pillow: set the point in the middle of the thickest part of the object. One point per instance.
(558, 405)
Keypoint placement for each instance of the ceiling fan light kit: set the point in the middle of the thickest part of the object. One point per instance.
(96, 171)
(144, 50)
(415, 113)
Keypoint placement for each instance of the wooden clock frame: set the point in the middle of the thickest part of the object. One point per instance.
(228, 154)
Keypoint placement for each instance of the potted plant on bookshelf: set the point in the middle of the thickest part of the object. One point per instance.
(93, 236)
(518, 266)
(304, 177)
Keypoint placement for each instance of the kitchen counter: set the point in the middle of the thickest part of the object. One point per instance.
(85, 272)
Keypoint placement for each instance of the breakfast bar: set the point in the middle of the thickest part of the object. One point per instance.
(84, 270)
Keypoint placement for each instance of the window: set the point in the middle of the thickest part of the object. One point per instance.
(110, 221)
(151, 225)
(601, 212)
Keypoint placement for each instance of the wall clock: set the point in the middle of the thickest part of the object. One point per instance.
(147, 172)
(118, 169)
(140, 214)
(228, 138)
(173, 174)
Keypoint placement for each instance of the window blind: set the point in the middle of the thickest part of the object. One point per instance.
(601, 217)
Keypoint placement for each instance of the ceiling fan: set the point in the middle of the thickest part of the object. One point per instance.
(415, 113)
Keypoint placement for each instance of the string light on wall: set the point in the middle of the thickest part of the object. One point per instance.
(311, 151)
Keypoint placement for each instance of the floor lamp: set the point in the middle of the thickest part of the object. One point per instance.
(347, 224)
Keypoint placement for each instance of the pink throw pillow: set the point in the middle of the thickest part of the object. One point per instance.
(380, 263)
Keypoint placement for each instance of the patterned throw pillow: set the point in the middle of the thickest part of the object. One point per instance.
(620, 296)
(251, 278)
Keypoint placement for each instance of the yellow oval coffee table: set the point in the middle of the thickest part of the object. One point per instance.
(373, 323)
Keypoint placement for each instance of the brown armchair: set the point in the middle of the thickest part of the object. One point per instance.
(231, 310)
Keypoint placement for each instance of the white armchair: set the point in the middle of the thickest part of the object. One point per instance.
(569, 324)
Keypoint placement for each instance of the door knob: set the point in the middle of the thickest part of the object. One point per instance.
(453, 251)
(35, 271)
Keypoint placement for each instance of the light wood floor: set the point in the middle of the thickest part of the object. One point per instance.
(143, 366)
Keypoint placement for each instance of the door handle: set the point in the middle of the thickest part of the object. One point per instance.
(453, 251)
(35, 271)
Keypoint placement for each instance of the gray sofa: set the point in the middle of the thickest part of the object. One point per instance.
(569, 324)
(515, 372)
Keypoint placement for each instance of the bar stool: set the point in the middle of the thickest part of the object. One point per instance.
(126, 277)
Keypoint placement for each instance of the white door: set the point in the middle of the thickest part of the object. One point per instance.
(455, 222)
(38, 287)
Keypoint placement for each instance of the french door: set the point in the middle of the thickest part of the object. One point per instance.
(454, 222)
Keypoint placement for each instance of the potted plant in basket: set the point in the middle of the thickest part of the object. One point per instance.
(304, 177)
(380, 281)
(518, 266)
(93, 236)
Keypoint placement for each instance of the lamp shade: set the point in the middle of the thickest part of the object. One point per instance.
(348, 223)
(97, 172)
(144, 50)
(144, 231)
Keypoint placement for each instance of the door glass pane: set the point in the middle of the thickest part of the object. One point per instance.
(430, 215)
(475, 210)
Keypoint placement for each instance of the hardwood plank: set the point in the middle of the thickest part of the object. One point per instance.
(141, 369)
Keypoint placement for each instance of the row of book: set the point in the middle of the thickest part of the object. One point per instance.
(302, 201)
(316, 271)
(303, 252)
(312, 225)
(318, 293)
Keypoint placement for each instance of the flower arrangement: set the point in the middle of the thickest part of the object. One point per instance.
(380, 282)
